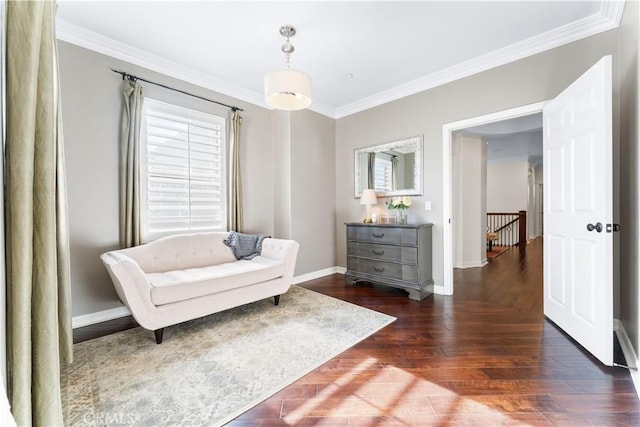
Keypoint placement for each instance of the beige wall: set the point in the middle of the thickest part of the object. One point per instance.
(629, 169)
(469, 200)
(3, 285)
(91, 103)
(313, 189)
(304, 186)
(530, 80)
(281, 137)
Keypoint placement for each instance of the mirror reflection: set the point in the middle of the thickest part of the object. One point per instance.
(391, 169)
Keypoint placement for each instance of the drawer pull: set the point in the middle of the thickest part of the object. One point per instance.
(378, 269)
(377, 252)
(378, 236)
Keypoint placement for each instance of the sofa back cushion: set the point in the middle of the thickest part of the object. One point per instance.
(181, 251)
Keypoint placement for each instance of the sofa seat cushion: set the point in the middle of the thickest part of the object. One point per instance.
(179, 285)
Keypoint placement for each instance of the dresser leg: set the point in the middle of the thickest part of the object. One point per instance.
(418, 295)
(350, 281)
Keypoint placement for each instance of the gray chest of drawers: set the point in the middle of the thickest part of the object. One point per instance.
(397, 255)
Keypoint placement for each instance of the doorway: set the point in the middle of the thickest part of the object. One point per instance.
(495, 168)
(448, 131)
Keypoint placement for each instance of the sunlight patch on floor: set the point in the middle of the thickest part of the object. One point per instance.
(398, 394)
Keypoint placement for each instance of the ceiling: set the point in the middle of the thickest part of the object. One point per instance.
(392, 49)
(514, 139)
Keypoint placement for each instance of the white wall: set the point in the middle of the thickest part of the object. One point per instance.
(507, 186)
(457, 204)
(531, 199)
(539, 179)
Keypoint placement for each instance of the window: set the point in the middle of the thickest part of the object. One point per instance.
(383, 174)
(183, 170)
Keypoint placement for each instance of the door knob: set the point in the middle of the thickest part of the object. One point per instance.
(597, 227)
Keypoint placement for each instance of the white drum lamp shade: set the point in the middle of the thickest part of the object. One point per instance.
(368, 198)
(287, 89)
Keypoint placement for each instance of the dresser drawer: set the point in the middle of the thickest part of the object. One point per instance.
(401, 254)
(407, 273)
(383, 235)
(379, 235)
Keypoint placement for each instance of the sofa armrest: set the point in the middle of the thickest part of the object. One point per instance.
(130, 283)
(281, 249)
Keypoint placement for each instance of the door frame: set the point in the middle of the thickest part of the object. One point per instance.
(447, 208)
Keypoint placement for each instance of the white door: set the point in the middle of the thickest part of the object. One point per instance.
(578, 243)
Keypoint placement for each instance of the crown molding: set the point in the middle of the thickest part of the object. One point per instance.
(79, 36)
(608, 18)
(612, 10)
(322, 108)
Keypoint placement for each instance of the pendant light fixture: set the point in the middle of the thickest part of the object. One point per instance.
(287, 89)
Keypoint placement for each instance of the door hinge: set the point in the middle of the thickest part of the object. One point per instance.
(613, 227)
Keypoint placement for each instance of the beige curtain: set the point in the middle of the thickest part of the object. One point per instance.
(130, 225)
(371, 168)
(395, 162)
(235, 179)
(38, 296)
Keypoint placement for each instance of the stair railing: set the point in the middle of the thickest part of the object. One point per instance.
(509, 228)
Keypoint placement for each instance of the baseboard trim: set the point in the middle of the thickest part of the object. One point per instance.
(629, 353)
(472, 264)
(99, 316)
(318, 274)
(118, 312)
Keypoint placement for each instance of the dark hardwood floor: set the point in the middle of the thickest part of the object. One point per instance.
(483, 357)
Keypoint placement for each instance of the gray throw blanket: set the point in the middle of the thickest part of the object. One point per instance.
(245, 246)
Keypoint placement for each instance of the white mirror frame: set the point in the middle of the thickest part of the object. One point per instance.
(417, 167)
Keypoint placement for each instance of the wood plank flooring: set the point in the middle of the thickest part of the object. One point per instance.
(483, 357)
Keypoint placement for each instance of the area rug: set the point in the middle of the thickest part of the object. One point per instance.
(210, 370)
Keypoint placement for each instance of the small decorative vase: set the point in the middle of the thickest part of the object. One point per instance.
(402, 216)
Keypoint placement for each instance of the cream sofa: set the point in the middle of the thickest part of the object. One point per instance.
(183, 277)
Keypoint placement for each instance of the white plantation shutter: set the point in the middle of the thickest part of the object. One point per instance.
(184, 181)
(383, 175)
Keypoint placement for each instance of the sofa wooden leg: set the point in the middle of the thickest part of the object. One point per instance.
(159, 333)
(276, 300)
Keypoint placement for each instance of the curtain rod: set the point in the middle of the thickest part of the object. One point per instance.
(134, 78)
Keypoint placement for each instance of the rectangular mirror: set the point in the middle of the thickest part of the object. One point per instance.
(391, 169)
